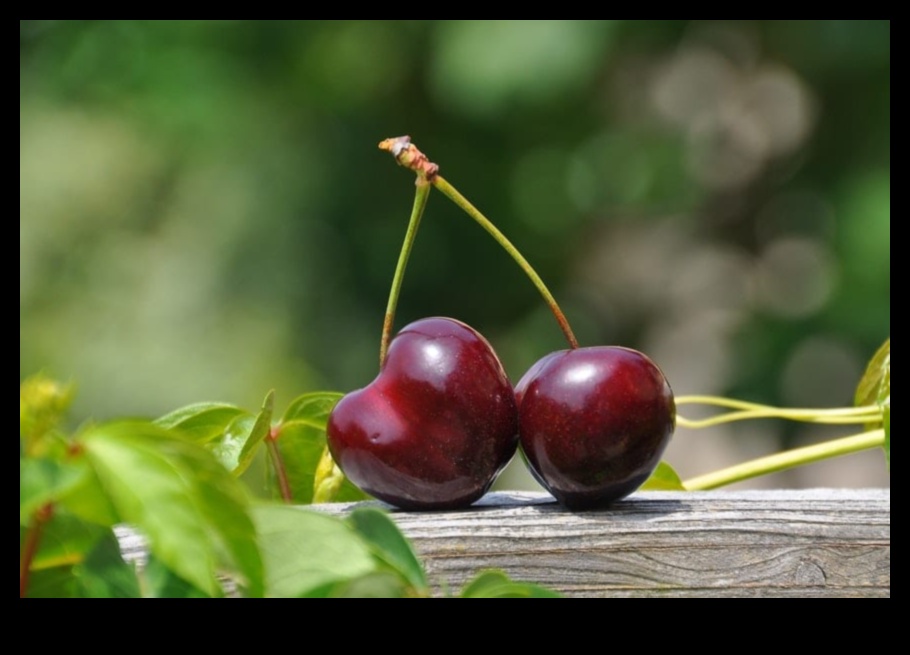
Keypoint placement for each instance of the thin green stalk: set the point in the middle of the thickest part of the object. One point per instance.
(284, 485)
(452, 193)
(410, 156)
(748, 410)
(786, 460)
(30, 547)
(420, 202)
(732, 403)
(730, 417)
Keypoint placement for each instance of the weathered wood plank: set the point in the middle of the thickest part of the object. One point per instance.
(826, 542)
(807, 543)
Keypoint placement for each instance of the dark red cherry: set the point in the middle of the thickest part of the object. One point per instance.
(435, 427)
(594, 422)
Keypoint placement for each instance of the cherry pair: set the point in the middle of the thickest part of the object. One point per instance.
(441, 420)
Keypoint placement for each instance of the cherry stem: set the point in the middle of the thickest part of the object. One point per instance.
(746, 410)
(281, 474)
(786, 460)
(420, 202)
(452, 194)
(409, 156)
(30, 547)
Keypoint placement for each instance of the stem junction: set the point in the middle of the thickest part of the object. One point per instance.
(409, 156)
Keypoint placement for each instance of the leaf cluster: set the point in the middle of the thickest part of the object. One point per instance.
(180, 483)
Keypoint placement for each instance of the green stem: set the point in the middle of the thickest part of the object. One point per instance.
(732, 403)
(30, 547)
(284, 485)
(786, 460)
(756, 414)
(456, 197)
(420, 202)
(746, 410)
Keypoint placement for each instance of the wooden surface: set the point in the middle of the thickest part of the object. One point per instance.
(822, 542)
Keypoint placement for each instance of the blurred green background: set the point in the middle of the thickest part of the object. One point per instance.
(204, 214)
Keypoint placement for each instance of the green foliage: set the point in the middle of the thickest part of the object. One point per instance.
(495, 584)
(192, 510)
(43, 481)
(159, 581)
(664, 478)
(201, 422)
(389, 546)
(302, 445)
(233, 447)
(258, 432)
(175, 481)
(66, 540)
(58, 582)
(876, 377)
(305, 551)
(104, 574)
(874, 388)
(296, 444)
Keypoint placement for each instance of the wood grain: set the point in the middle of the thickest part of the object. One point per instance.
(825, 542)
(804, 543)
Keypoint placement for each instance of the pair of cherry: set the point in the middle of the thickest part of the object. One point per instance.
(441, 420)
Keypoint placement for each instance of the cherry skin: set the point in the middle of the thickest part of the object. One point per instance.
(435, 427)
(594, 423)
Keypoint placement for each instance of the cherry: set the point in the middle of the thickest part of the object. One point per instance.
(435, 427)
(594, 422)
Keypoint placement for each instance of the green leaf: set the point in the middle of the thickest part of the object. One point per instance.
(260, 430)
(301, 452)
(496, 584)
(381, 584)
(330, 485)
(875, 388)
(389, 545)
(664, 478)
(328, 480)
(65, 540)
(89, 500)
(300, 447)
(201, 422)
(104, 574)
(879, 367)
(228, 447)
(43, 481)
(57, 582)
(306, 551)
(237, 445)
(158, 581)
(349, 493)
(190, 508)
(315, 407)
(301, 444)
